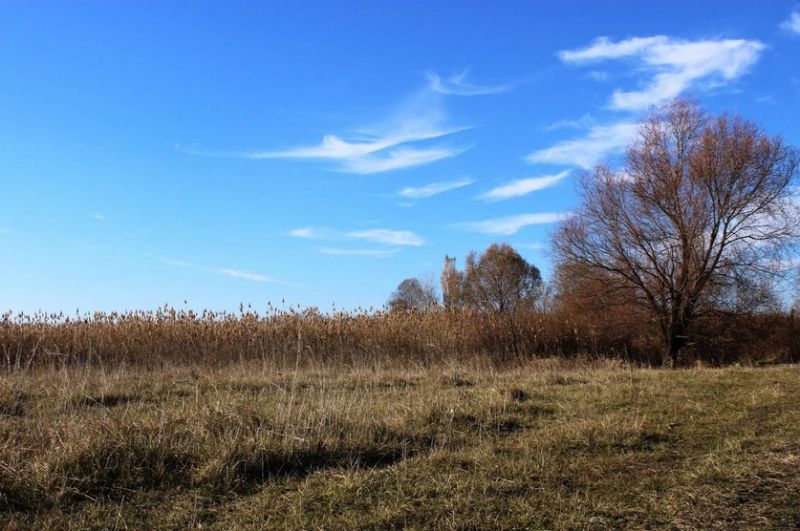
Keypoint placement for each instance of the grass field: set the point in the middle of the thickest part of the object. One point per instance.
(551, 445)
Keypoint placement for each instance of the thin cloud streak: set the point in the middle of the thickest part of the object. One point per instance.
(175, 263)
(589, 149)
(333, 147)
(536, 246)
(506, 226)
(312, 233)
(376, 253)
(674, 65)
(225, 271)
(456, 85)
(244, 275)
(383, 236)
(584, 122)
(522, 187)
(397, 159)
(432, 189)
(389, 237)
(378, 148)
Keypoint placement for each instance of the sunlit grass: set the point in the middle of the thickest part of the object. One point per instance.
(551, 444)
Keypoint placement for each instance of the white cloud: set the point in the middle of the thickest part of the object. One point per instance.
(432, 189)
(311, 233)
(397, 159)
(522, 187)
(383, 236)
(585, 121)
(333, 147)
(509, 225)
(536, 246)
(381, 147)
(603, 48)
(226, 271)
(99, 217)
(176, 263)
(245, 275)
(674, 65)
(456, 85)
(378, 253)
(792, 24)
(387, 236)
(586, 151)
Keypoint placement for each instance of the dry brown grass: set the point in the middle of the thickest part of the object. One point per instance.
(553, 444)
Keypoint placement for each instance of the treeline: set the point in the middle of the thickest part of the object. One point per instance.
(681, 250)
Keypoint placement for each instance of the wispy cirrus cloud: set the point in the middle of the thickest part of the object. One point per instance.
(394, 238)
(521, 187)
(244, 275)
(313, 233)
(388, 236)
(388, 145)
(397, 159)
(673, 65)
(588, 150)
(792, 24)
(225, 271)
(509, 225)
(535, 246)
(585, 121)
(376, 253)
(457, 85)
(174, 263)
(382, 236)
(435, 188)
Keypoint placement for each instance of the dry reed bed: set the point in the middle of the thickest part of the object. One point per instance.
(282, 339)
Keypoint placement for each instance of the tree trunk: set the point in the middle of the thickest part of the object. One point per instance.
(675, 339)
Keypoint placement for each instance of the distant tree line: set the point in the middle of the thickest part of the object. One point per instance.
(696, 229)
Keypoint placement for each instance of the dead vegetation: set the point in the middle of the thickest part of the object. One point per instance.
(551, 444)
(283, 340)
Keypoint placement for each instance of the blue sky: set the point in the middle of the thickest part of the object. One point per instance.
(320, 152)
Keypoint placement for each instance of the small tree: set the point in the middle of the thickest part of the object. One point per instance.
(502, 282)
(703, 202)
(413, 294)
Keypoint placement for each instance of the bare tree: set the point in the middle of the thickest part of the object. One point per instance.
(703, 202)
(413, 294)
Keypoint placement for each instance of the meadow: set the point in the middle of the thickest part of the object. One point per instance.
(548, 444)
(373, 420)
